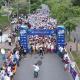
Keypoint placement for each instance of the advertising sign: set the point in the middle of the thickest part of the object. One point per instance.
(73, 72)
(23, 38)
(41, 32)
(60, 36)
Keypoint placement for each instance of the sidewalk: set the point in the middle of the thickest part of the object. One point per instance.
(73, 46)
(75, 56)
(5, 44)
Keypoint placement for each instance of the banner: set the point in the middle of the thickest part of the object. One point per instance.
(59, 32)
(41, 32)
(60, 36)
(23, 38)
(73, 72)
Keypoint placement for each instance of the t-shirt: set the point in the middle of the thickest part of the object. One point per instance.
(48, 46)
(6, 77)
(36, 68)
(2, 74)
(9, 39)
(9, 71)
(2, 51)
(45, 45)
(52, 46)
(61, 49)
(37, 46)
(66, 56)
(17, 56)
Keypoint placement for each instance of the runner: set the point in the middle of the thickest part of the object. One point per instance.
(36, 70)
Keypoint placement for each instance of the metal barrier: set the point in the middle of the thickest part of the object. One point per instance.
(74, 72)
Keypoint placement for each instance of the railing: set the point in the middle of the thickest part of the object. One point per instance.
(76, 66)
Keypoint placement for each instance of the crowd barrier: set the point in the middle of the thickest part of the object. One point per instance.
(71, 68)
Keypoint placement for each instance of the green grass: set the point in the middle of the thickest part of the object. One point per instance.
(76, 58)
(3, 21)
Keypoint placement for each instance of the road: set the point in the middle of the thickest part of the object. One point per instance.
(51, 69)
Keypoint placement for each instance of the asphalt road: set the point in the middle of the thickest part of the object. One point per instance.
(51, 69)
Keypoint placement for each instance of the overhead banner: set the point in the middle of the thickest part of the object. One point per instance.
(41, 32)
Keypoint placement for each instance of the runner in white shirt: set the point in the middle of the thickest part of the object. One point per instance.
(36, 70)
(52, 47)
(37, 46)
(48, 46)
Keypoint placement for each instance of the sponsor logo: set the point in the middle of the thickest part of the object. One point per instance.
(61, 32)
(22, 32)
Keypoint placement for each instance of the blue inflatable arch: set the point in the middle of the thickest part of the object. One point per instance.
(24, 32)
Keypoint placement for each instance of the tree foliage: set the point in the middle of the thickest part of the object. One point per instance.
(65, 12)
(76, 2)
(1, 3)
(35, 4)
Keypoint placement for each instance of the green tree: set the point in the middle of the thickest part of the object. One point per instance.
(65, 13)
(76, 2)
(60, 9)
(35, 4)
(70, 26)
(1, 3)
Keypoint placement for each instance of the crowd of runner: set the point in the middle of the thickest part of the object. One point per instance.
(41, 20)
(47, 43)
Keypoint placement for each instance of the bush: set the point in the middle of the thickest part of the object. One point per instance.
(3, 21)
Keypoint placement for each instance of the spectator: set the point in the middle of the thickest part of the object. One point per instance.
(70, 48)
(6, 77)
(2, 73)
(66, 61)
(9, 73)
(9, 41)
(16, 57)
(21, 51)
(74, 39)
(3, 52)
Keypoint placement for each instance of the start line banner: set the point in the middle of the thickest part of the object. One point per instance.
(41, 32)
